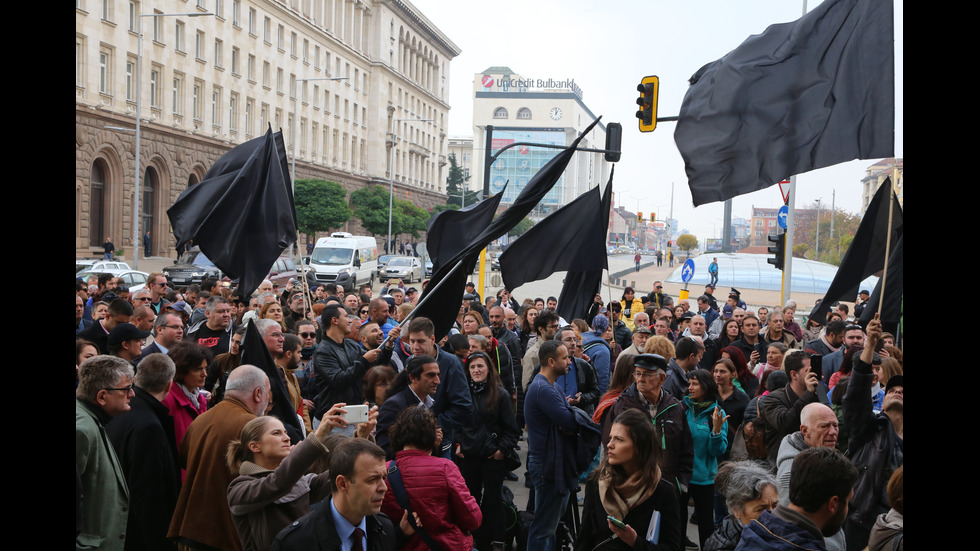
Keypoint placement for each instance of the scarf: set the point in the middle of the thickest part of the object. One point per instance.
(619, 499)
(192, 395)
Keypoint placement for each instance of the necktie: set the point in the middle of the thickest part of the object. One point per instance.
(358, 537)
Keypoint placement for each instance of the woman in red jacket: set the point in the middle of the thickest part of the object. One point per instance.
(187, 399)
(436, 490)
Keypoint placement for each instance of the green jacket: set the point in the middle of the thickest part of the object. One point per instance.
(105, 496)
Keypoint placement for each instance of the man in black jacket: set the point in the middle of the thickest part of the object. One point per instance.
(782, 407)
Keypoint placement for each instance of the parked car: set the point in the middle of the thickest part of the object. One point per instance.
(192, 267)
(428, 267)
(95, 265)
(383, 261)
(133, 279)
(408, 268)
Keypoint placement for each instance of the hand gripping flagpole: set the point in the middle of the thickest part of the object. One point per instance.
(427, 296)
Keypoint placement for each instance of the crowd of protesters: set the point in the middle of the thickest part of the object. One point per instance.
(705, 403)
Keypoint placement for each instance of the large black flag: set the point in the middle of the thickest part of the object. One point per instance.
(866, 255)
(452, 230)
(802, 95)
(891, 313)
(255, 352)
(572, 239)
(581, 286)
(447, 283)
(242, 213)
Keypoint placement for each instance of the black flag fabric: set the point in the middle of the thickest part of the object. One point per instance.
(447, 283)
(581, 286)
(255, 352)
(571, 239)
(450, 231)
(866, 255)
(241, 214)
(891, 313)
(801, 96)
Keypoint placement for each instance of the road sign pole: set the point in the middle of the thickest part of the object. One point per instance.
(787, 288)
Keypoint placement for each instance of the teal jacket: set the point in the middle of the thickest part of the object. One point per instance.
(708, 447)
(105, 496)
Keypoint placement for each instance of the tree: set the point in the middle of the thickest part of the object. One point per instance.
(831, 250)
(370, 206)
(520, 228)
(321, 206)
(687, 242)
(800, 250)
(455, 182)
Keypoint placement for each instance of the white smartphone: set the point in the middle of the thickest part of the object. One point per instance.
(356, 414)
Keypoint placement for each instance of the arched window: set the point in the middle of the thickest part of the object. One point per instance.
(524, 113)
(192, 180)
(151, 182)
(96, 210)
(500, 113)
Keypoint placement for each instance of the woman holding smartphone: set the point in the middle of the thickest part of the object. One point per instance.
(628, 505)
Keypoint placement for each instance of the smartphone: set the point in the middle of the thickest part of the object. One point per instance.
(356, 414)
(616, 521)
(816, 365)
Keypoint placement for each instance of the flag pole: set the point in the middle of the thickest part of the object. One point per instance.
(888, 236)
(423, 300)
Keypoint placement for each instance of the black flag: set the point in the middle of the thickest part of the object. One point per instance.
(255, 352)
(447, 283)
(242, 214)
(450, 231)
(891, 313)
(573, 240)
(866, 255)
(802, 95)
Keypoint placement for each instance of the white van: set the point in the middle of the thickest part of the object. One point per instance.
(345, 259)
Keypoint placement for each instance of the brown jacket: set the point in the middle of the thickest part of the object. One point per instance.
(202, 513)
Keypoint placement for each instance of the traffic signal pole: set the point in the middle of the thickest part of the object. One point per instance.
(787, 288)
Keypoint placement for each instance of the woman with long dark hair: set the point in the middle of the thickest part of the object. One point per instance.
(628, 486)
(730, 332)
(709, 427)
(488, 435)
(744, 379)
(186, 401)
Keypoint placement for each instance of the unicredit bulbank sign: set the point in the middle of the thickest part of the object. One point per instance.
(492, 84)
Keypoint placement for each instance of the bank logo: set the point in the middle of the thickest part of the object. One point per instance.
(487, 81)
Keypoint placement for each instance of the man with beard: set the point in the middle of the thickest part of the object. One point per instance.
(820, 488)
(215, 330)
(508, 339)
(875, 440)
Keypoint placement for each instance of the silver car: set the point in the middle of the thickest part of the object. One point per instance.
(408, 268)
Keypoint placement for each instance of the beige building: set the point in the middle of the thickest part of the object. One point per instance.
(876, 175)
(536, 108)
(211, 82)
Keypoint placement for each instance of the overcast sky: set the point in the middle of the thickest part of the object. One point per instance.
(607, 47)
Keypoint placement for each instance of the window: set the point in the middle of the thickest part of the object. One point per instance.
(524, 113)
(249, 108)
(107, 10)
(316, 98)
(292, 86)
(197, 98)
(357, 79)
(178, 94)
(233, 112)
(292, 44)
(134, 16)
(267, 30)
(500, 113)
(250, 68)
(105, 70)
(199, 46)
(130, 80)
(216, 106)
(306, 51)
(235, 54)
(219, 8)
(179, 37)
(217, 53)
(251, 21)
(316, 57)
(79, 61)
(155, 87)
(280, 38)
(97, 203)
(236, 13)
(264, 117)
(157, 26)
(266, 69)
(279, 80)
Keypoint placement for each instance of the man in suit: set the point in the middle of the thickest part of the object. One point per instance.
(415, 386)
(168, 329)
(352, 519)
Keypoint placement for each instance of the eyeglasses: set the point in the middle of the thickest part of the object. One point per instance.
(126, 388)
(308, 335)
(853, 326)
(362, 312)
(645, 373)
(174, 327)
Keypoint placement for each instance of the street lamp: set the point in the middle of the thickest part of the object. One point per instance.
(391, 176)
(139, 105)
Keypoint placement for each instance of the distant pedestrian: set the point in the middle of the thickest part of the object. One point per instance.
(147, 244)
(713, 271)
(108, 248)
(660, 258)
(670, 259)
(309, 246)
(636, 260)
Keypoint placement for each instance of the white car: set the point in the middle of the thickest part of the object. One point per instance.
(133, 279)
(407, 268)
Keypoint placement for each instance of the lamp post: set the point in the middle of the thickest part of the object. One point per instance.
(139, 105)
(391, 176)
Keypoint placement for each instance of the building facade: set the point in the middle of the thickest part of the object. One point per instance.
(211, 74)
(876, 175)
(764, 223)
(541, 110)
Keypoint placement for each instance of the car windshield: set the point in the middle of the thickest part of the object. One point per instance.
(195, 258)
(332, 256)
(383, 259)
(395, 262)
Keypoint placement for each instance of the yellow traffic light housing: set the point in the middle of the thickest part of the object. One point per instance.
(647, 114)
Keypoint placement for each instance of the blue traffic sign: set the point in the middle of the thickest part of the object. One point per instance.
(687, 272)
(781, 216)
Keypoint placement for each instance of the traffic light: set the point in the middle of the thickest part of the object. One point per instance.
(653, 217)
(779, 249)
(614, 141)
(647, 101)
(639, 217)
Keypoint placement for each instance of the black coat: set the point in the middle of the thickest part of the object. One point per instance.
(487, 431)
(726, 535)
(146, 445)
(595, 530)
(316, 531)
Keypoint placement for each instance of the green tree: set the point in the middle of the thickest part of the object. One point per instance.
(520, 228)
(800, 250)
(321, 206)
(687, 242)
(370, 205)
(831, 250)
(455, 181)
